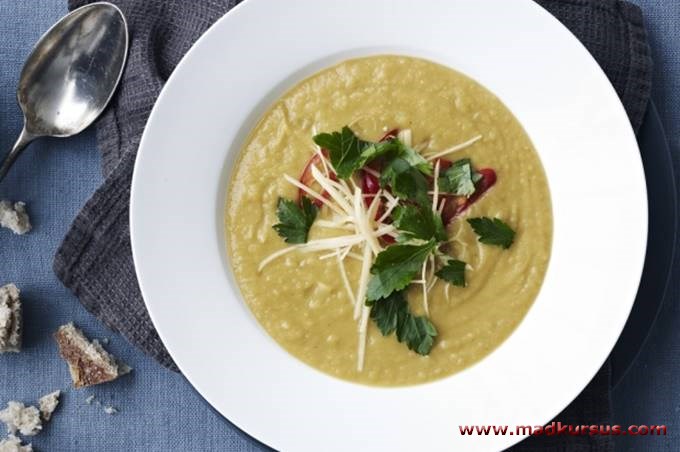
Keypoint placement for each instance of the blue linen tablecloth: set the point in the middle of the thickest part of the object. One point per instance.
(159, 411)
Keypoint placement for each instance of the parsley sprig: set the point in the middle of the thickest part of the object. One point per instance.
(418, 222)
(392, 314)
(348, 153)
(459, 179)
(295, 220)
(395, 267)
(493, 231)
(453, 272)
(421, 232)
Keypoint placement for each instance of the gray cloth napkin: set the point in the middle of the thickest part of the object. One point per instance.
(95, 260)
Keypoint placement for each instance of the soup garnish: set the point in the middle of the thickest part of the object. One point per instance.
(389, 206)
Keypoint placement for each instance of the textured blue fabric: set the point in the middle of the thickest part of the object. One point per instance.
(159, 411)
(648, 393)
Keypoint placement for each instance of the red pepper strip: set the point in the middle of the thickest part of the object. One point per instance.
(308, 179)
(444, 164)
(389, 135)
(370, 185)
(455, 205)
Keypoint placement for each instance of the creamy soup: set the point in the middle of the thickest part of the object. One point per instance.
(301, 298)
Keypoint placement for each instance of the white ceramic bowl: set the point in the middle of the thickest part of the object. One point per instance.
(569, 109)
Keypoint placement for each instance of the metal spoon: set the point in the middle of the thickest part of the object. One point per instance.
(71, 75)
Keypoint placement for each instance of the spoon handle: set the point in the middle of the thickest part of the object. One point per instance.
(24, 139)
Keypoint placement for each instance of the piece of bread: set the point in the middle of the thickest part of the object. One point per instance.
(10, 319)
(25, 419)
(48, 403)
(14, 217)
(13, 444)
(88, 362)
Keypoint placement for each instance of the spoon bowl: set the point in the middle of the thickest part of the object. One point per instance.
(71, 74)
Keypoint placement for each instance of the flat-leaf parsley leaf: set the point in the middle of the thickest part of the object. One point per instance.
(294, 220)
(459, 179)
(492, 231)
(453, 272)
(391, 314)
(344, 150)
(419, 222)
(395, 267)
(405, 180)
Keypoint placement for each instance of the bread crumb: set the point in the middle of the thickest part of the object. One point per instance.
(88, 362)
(110, 410)
(10, 319)
(123, 369)
(89, 399)
(105, 340)
(13, 444)
(14, 217)
(25, 419)
(48, 403)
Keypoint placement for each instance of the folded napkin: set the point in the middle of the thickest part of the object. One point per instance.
(95, 260)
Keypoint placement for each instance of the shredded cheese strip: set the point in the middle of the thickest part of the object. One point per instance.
(363, 330)
(390, 207)
(371, 171)
(362, 222)
(323, 181)
(373, 207)
(345, 185)
(422, 146)
(405, 136)
(312, 193)
(424, 279)
(343, 255)
(335, 253)
(343, 188)
(346, 253)
(363, 280)
(355, 256)
(441, 207)
(456, 148)
(326, 166)
(392, 234)
(315, 245)
(323, 161)
(433, 282)
(333, 225)
(342, 219)
(345, 279)
(435, 194)
(433, 279)
(390, 196)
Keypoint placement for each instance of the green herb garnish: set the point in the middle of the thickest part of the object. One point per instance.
(348, 153)
(344, 150)
(387, 149)
(405, 180)
(392, 314)
(395, 267)
(459, 179)
(421, 239)
(294, 220)
(418, 222)
(493, 231)
(453, 272)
